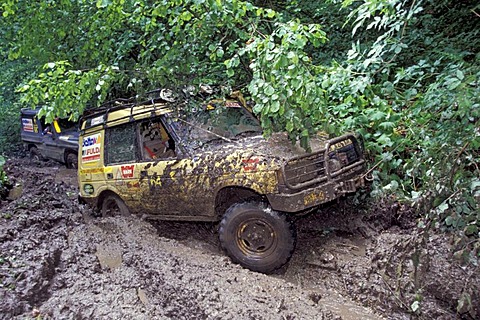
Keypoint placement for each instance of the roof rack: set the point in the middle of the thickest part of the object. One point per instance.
(113, 106)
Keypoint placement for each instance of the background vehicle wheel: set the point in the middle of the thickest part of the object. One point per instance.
(112, 205)
(257, 237)
(35, 154)
(71, 161)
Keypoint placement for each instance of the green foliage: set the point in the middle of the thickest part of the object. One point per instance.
(12, 73)
(130, 46)
(66, 91)
(3, 176)
(4, 182)
(283, 84)
(403, 73)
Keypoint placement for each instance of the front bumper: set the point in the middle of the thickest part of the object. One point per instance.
(322, 176)
(312, 197)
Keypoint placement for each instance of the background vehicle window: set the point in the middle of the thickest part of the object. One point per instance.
(120, 144)
(67, 125)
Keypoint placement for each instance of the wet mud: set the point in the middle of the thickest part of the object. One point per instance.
(59, 261)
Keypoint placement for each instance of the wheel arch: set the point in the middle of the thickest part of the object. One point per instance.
(227, 196)
(101, 197)
(67, 152)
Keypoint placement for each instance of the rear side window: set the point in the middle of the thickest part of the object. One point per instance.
(120, 144)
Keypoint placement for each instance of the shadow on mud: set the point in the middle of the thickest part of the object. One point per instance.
(196, 235)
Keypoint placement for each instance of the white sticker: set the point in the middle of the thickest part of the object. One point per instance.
(91, 148)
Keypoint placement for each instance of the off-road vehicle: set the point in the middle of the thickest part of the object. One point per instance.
(213, 165)
(57, 140)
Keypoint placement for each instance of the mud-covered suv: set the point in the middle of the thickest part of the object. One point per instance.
(213, 165)
(57, 140)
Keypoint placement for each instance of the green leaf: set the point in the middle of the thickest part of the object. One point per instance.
(103, 3)
(289, 126)
(257, 108)
(475, 185)
(442, 207)
(449, 220)
(471, 230)
(269, 90)
(460, 75)
(387, 125)
(275, 106)
(415, 306)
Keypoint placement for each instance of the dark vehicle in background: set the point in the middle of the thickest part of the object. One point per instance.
(57, 140)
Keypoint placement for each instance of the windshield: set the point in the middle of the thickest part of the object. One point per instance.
(67, 125)
(224, 122)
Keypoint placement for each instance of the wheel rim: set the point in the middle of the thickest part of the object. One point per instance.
(256, 237)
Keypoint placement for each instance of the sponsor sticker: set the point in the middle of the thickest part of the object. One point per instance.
(93, 170)
(232, 104)
(250, 164)
(133, 185)
(91, 148)
(27, 124)
(314, 197)
(127, 171)
(97, 120)
(88, 188)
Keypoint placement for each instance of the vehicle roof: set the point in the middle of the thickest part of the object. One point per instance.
(29, 111)
(113, 116)
(120, 111)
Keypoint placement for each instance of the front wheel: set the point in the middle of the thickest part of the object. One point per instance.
(257, 237)
(112, 205)
(35, 154)
(71, 161)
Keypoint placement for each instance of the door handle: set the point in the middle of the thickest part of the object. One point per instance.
(143, 174)
(109, 175)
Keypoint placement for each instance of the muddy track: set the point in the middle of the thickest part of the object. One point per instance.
(59, 261)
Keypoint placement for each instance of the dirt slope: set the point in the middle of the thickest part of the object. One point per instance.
(59, 261)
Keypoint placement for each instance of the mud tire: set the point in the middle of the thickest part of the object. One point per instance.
(112, 205)
(71, 161)
(257, 237)
(35, 154)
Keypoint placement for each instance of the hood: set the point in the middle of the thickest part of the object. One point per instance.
(70, 137)
(277, 146)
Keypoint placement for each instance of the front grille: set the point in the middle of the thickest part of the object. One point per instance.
(343, 156)
(305, 169)
(346, 154)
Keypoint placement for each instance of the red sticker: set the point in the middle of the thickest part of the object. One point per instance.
(127, 171)
(250, 164)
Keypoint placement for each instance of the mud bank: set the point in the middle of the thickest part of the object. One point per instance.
(59, 261)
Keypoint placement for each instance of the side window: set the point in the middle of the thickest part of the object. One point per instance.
(120, 144)
(156, 142)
